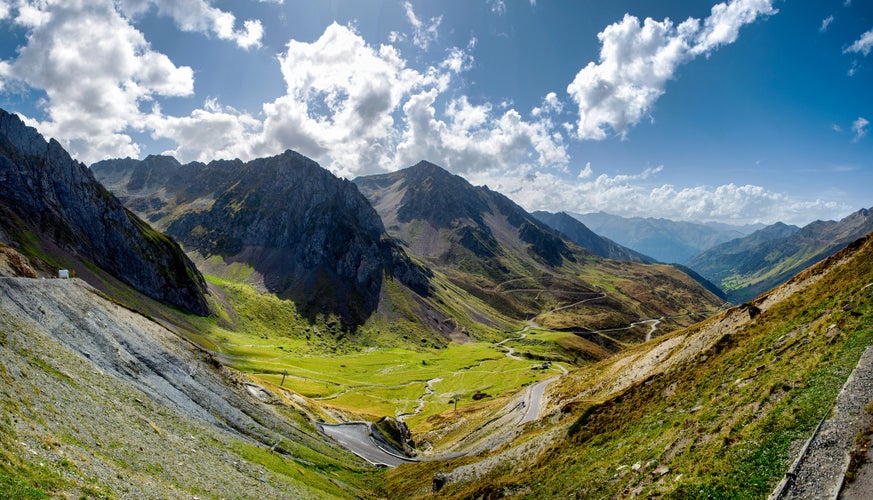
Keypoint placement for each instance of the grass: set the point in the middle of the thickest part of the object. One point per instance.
(266, 337)
(722, 424)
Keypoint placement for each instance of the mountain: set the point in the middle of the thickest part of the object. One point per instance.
(718, 410)
(55, 214)
(749, 266)
(490, 247)
(578, 233)
(662, 239)
(297, 230)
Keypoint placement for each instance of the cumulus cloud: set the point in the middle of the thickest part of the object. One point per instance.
(360, 109)
(638, 59)
(859, 127)
(862, 45)
(637, 195)
(199, 16)
(474, 138)
(423, 34)
(825, 23)
(96, 69)
(215, 131)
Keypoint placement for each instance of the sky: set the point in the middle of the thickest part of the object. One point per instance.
(746, 111)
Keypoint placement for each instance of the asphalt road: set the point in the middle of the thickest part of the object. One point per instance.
(356, 438)
(535, 401)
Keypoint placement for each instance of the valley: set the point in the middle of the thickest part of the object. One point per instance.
(404, 335)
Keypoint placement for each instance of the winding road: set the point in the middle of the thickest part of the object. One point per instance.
(357, 437)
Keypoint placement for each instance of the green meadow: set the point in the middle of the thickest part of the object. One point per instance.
(267, 339)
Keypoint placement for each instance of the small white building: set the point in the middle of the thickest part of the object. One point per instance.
(64, 274)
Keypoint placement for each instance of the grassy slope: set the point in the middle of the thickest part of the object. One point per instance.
(67, 429)
(723, 423)
(265, 336)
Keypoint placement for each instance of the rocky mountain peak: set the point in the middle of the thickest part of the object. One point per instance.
(307, 234)
(54, 199)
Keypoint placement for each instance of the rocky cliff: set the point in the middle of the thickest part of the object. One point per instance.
(51, 203)
(308, 235)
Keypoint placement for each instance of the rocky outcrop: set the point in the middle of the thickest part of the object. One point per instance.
(49, 196)
(311, 236)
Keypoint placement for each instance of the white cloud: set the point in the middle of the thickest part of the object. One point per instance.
(638, 196)
(215, 131)
(859, 127)
(472, 138)
(361, 109)
(825, 23)
(638, 59)
(96, 69)
(423, 34)
(199, 16)
(4, 9)
(862, 45)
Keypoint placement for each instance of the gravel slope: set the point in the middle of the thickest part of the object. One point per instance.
(114, 402)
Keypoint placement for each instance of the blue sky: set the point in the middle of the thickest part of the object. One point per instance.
(743, 111)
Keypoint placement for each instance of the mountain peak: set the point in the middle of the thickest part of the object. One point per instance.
(51, 198)
(306, 234)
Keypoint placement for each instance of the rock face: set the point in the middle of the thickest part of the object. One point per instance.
(48, 196)
(311, 236)
(445, 219)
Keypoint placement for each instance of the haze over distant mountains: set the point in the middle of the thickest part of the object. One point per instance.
(662, 239)
(748, 266)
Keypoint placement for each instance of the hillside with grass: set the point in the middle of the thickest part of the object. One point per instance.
(718, 410)
(485, 244)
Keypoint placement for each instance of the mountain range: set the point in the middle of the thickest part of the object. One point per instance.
(662, 239)
(748, 266)
(304, 234)
(493, 249)
(412, 311)
(579, 233)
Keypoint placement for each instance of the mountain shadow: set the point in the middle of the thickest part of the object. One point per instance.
(305, 234)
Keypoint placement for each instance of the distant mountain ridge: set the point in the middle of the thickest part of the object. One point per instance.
(308, 235)
(580, 234)
(749, 266)
(55, 213)
(662, 239)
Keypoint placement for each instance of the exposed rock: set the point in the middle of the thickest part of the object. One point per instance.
(49, 196)
(439, 480)
(311, 236)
